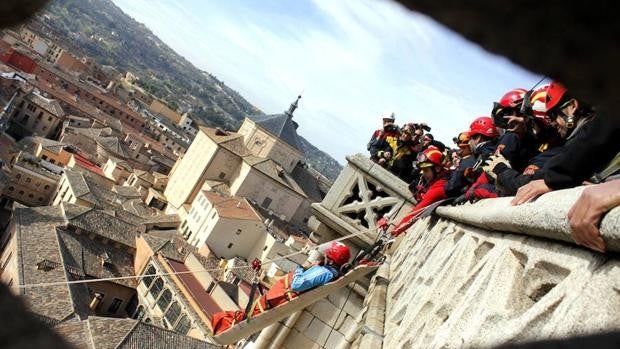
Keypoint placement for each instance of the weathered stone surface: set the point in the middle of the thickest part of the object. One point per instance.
(453, 285)
(317, 331)
(545, 217)
(325, 311)
(334, 339)
(303, 321)
(362, 193)
(296, 340)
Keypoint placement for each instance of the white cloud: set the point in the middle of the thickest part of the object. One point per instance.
(352, 58)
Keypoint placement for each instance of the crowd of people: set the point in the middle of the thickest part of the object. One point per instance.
(534, 141)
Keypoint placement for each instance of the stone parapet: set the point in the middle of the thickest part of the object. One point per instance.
(545, 217)
(453, 285)
(362, 193)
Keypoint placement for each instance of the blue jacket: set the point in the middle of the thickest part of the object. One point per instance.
(317, 275)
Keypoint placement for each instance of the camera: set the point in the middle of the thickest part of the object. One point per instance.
(422, 126)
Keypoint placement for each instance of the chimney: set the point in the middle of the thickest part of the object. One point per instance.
(96, 301)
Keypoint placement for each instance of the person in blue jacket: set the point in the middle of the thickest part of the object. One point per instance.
(336, 255)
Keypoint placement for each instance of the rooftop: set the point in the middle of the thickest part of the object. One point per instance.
(281, 126)
(48, 104)
(110, 333)
(231, 206)
(274, 171)
(105, 225)
(42, 260)
(230, 141)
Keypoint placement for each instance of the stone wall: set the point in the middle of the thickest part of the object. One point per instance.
(324, 324)
(454, 285)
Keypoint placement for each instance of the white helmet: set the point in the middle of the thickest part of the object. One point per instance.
(388, 115)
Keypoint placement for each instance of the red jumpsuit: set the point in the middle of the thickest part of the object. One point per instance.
(434, 193)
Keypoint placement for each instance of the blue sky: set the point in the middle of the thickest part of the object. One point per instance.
(353, 59)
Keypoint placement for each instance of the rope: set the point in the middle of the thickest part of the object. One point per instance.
(71, 282)
(339, 313)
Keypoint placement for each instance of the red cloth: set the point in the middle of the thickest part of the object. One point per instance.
(434, 193)
(279, 294)
(483, 188)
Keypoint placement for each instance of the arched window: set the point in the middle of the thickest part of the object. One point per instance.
(164, 300)
(148, 280)
(183, 325)
(157, 287)
(173, 313)
(139, 314)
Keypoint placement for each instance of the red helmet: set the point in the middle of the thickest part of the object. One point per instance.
(483, 125)
(555, 92)
(513, 98)
(431, 156)
(338, 252)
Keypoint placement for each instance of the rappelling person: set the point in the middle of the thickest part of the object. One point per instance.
(304, 278)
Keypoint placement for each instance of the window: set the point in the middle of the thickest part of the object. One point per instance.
(116, 303)
(230, 245)
(266, 202)
(21, 192)
(6, 261)
(31, 195)
(46, 187)
(173, 313)
(156, 288)
(183, 325)
(222, 175)
(164, 300)
(40, 116)
(44, 157)
(139, 314)
(211, 287)
(265, 248)
(148, 280)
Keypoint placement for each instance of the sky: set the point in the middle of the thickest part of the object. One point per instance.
(352, 60)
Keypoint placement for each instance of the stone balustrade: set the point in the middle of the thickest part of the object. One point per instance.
(463, 278)
(362, 193)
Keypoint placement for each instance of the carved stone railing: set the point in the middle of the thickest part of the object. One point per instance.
(459, 279)
(362, 193)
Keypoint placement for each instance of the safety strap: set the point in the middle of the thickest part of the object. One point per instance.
(612, 168)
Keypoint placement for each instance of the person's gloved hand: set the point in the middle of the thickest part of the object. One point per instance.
(494, 160)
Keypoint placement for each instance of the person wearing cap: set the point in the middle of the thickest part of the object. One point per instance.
(458, 181)
(383, 140)
(434, 178)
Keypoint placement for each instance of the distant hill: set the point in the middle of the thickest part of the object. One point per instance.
(103, 31)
